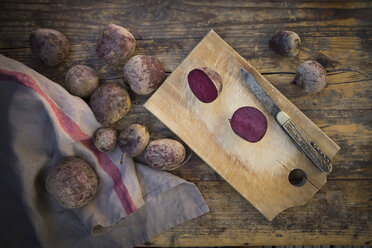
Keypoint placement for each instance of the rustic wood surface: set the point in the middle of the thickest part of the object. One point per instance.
(338, 34)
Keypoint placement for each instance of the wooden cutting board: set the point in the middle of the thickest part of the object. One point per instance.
(258, 171)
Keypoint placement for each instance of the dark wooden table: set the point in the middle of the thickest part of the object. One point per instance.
(338, 34)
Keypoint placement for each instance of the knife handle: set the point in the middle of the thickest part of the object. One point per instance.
(307, 146)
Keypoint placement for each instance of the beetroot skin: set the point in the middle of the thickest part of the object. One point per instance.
(115, 45)
(144, 74)
(311, 76)
(109, 103)
(165, 154)
(105, 139)
(72, 182)
(249, 123)
(205, 83)
(50, 45)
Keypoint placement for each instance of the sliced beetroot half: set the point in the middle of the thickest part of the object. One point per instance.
(205, 83)
(249, 123)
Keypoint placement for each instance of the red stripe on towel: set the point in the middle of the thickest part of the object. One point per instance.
(75, 132)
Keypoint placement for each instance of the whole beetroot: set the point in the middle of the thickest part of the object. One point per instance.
(81, 80)
(72, 182)
(105, 139)
(205, 83)
(286, 43)
(165, 154)
(50, 45)
(133, 140)
(311, 76)
(115, 45)
(144, 74)
(109, 103)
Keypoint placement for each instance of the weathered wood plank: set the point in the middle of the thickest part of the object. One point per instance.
(170, 19)
(330, 51)
(345, 90)
(351, 130)
(339, 214)
(332, 31)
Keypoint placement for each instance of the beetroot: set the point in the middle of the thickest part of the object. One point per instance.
(205, 83)
(133, 140)
(165, 154)
(109, 103)
(105, 139)
(81, 80)
(144, 74)
(249, 123)
(286, 43)
(311, 76)
(115, 45)
(72, 182)
(50, 45)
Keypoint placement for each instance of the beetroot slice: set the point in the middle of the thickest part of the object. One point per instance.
(249, 123)
(205, 83)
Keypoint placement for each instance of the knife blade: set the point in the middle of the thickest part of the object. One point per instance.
(299, 137)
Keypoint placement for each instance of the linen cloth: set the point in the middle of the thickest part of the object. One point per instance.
(41, 124)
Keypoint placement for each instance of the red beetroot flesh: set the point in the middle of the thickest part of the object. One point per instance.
(249, 123)
(202, 86)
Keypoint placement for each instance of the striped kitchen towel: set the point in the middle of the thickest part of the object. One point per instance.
(41, 124)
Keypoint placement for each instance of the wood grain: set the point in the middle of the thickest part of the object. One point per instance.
(338, 34)
(345, 89)
(314, 223)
